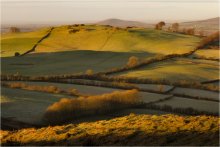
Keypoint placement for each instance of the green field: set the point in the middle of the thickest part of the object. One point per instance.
(73, 62)
(174, 70)
(200, 105)
(26, 106)
(197, 93)
(20, 42)
(95, 90)
(99, 38)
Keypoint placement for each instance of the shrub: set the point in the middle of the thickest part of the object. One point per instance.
(209, 39)
(132, 61)
(70, 109)
(89, 72)
(17, 54)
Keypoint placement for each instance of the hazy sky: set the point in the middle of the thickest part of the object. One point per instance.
(67, 11)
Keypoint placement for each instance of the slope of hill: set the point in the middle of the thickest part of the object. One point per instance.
(133, 129)
(100, 38)
(104, 38)
(123, 23)
(20, 42)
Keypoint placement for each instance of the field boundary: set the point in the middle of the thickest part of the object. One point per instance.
(39, 41)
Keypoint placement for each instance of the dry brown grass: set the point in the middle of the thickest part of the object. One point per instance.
(71, 109)
(131, 130)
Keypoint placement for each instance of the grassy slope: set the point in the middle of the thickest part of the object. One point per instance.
(101, 38)
(129, 130)
(66, 62)
(142, 43)
(20, 42)
(177, 70)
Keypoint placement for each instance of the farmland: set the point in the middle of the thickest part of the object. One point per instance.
(20, 42)
(177, 70)
(100, 74)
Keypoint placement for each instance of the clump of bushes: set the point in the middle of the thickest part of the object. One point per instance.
(133, 61)
(17, 54)
(209, 40)
(89, 72)
(48, 89)
(73, 31)
(72, 109)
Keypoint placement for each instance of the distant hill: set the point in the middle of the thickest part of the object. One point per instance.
(207, 25)
(213, 21)
(123, 23)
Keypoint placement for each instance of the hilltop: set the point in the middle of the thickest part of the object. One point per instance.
(129, 130)
(123, 23)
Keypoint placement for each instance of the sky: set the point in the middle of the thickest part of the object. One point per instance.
(70, 11)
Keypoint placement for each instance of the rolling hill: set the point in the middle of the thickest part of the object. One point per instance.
(208, 26)
(123, 23)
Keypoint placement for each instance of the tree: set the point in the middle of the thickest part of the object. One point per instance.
(132, 61)
(190, 31)
(201, 33)
(89, 72)
(14, 29)
(159, 26)
(175, 27)
(17, 54)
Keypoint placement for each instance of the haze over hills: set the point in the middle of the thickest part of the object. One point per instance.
(208, 25)
(123, 23)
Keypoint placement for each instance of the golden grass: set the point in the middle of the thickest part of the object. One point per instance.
(71, 109)
(153, 130)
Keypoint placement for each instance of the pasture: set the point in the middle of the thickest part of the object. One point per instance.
(101, 38)
(26, 106)
(71, 62)
(200, 105)
(20, 42)
(175, 70)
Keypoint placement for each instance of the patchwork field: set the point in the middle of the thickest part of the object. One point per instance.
(200, 105)
(197, 93)
(134, 56)
(74, 62)
(175, 70)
